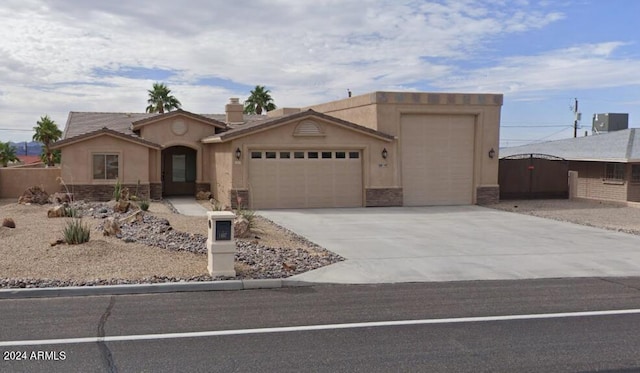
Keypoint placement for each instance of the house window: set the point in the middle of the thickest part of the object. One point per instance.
(312, 155)
(340, 155)
(298, 155)
(614, 171)
(326, 155)
(354, 155)
(105, 166)
(635, 173)
(285, 155)
(179, 168)
(256, 155)
(270, 155)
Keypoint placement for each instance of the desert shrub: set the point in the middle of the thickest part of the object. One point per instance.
(215, 205)
(70, 212)
(117, 190)
(144, 205)
(249, 215)
(76, 232)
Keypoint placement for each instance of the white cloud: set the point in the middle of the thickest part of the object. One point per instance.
(304, 51)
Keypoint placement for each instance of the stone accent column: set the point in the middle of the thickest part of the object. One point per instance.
(155, 191)
(383, 197)
(488, 194)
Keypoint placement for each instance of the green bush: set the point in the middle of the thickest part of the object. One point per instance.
(144, 205)
(76, 232)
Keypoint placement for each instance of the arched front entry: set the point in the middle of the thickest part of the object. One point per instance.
(178, 171)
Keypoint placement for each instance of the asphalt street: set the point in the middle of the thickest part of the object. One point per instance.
(570, 343)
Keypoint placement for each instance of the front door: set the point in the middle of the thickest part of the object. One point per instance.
(178, 171)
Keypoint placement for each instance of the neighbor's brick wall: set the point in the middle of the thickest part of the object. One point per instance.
(383, 197)
(487, 195)
(591, 183)
(243, 194)
(104, 192)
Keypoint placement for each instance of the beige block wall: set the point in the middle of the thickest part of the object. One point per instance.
(77, 160)
(163, 134)
(378, 173)
(15, 180)
(591, 183)
(383, 111)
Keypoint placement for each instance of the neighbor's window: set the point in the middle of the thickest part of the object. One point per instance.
(285, 155)
(614, 171)
(105, 166)
(635, 173)
(271, 155)
(312, 155)
(354, 155)
(298, 155)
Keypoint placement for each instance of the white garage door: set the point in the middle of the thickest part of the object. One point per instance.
(305, 178)
(437, 159)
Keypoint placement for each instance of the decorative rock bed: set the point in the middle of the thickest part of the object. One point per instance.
(255, 261)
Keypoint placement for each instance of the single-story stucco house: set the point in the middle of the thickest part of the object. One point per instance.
(608, 164)
(377, 149)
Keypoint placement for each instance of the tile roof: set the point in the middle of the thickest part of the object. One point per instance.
(79, 123)
(617, 146)
(103, 131)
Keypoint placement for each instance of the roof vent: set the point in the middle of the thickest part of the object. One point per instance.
(308, 128)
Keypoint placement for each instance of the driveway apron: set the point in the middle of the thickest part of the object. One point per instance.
(455, 243)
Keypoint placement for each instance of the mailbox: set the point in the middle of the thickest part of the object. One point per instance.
(221, 245)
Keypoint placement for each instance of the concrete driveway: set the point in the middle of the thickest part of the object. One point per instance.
(414, 244)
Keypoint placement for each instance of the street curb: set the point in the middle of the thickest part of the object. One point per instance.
(131, 289)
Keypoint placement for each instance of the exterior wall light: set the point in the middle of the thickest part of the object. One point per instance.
(492, 153)
(385, 153)
(238, 153)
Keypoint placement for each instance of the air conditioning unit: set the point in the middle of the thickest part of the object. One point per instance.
(610, 122)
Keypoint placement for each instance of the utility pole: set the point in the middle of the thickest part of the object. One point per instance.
(576, 118)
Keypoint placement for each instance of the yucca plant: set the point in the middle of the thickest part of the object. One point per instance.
(76, 232)
(117, 190)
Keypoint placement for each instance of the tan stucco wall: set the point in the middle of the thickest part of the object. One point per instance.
(15, 180)
(377, 172)
(220, 163)
(383, 111)
(77, 160)
(162, 133)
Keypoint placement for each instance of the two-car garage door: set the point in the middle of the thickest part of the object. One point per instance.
(305, 178)
(437, 159)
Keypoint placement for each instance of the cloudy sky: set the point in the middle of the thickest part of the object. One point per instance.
(82, 55)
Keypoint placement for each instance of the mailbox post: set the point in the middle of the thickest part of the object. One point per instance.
(221, 245)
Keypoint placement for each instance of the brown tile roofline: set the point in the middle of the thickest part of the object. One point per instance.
(142, 122)
(100, 132)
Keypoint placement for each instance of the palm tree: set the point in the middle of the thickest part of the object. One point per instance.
(161, 99)
(7, 154)
(47, 132)
(258, 100)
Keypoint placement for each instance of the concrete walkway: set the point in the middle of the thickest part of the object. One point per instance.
(386, 245)
(187, 206)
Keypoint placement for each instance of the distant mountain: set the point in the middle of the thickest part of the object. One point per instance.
(27, 148)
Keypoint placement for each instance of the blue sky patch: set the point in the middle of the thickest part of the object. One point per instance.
(136, 72)
(224, 83)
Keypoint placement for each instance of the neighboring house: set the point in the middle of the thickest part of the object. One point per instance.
(378, 149)
(29, 160)
(608, 164)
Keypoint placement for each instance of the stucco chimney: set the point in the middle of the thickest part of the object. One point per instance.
(234, 111)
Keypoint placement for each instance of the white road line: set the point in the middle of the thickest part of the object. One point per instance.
(287, 329)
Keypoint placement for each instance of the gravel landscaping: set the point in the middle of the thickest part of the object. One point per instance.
(612, 216)
(162, 247)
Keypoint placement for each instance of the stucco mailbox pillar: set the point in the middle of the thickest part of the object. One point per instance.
(221, 245)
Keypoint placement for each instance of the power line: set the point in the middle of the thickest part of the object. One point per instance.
(15, 129)
(535, 126)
